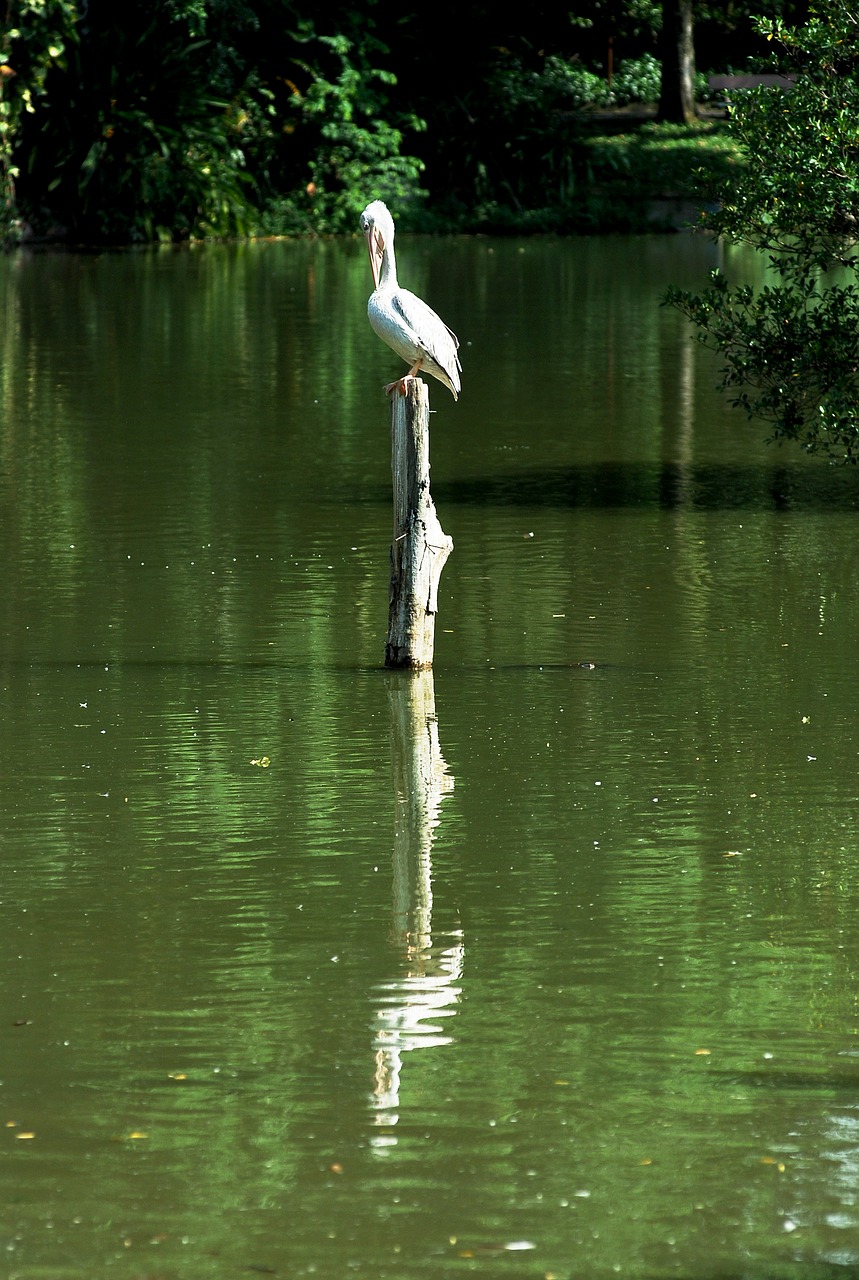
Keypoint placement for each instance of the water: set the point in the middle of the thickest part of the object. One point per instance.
(544, 966)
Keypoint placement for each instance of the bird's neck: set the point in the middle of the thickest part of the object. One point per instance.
(388, 270)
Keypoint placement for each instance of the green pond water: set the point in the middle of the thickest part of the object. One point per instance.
(545, 965)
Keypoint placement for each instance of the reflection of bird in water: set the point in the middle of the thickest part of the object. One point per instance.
(400, 318)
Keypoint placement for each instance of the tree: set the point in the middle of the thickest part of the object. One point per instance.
(35, 38)
(187, 118)
(677, 98)
(342, 135)
(790, 348)
(139, 130)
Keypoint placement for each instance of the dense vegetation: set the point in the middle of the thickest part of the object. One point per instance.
(190, 118)
(790, 348)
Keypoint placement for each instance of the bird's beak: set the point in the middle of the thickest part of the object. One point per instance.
(376, 250)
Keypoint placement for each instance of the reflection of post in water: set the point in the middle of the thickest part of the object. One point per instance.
(421, 781)
(427, 982)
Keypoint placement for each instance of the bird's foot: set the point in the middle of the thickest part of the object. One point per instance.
(400, 386)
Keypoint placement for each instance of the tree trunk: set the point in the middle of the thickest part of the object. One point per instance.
(677, 98)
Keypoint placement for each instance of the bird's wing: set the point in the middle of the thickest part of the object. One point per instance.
(430, 331)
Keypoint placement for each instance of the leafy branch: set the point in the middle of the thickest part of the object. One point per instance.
(790, 348)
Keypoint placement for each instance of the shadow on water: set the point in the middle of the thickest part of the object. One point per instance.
(799, 1270)
(666, 486)
(831, 1082)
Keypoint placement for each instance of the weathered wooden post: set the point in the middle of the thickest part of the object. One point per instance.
(420, 546)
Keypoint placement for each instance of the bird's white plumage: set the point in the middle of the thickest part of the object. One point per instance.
(399, 317)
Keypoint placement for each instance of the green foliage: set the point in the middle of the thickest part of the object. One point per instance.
(34, 39)
(791, 351)
(351, 151)
(791, 357)
(625, 21)
(530, 96)
(567, 85)
(623, 175)
(186, 118)
(538, 155)
(561, 85)
(139, 134)
(637, 80)
(166, 125)
(664, 159)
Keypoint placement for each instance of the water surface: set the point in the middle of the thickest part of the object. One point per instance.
(543, 966)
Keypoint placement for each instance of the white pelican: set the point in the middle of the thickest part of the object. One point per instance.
(401, 319)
